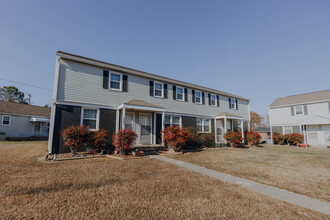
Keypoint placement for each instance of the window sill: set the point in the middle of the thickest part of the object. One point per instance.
(115, 90)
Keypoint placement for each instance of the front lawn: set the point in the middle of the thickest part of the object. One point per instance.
(300, 170)
(134, 189)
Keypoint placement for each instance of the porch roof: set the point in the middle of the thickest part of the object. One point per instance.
(228, 115)
(140, 104)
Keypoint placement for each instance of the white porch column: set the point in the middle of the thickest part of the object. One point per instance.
(123, 118)
(242, 128)
(215, 130)
(117, 120)
(163, 120)
(225, 119)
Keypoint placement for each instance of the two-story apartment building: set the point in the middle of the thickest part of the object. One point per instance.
(108, 96)
(307, 114)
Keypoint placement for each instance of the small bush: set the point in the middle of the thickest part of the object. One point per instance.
(123, 140)
(278, 138)
(253, 138)
(175, 137)
(234, 137)
(207, 140)
(194, 139)
(294, 138)
(99, 139)
(75, 137)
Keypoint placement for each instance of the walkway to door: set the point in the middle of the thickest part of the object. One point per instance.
(284, 195)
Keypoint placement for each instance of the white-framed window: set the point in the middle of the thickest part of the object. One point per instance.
(203, 125)
(159, 89)
(115, 81)
(213, 100)
(180, 93)
(233, 103)
(299, 110)
(198, 97)
(287, 130)
(37, 128)
(6, 120)
(90, 118)
(171, 120)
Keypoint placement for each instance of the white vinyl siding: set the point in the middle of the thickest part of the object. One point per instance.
(115, 81)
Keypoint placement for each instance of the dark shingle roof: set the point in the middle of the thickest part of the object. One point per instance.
(302, 98)
(24, 109)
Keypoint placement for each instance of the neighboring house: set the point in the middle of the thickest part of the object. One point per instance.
(22, 121)
(264, 133)
(307, 114)
(108, 96)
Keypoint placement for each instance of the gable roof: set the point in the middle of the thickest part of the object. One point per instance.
(141, 103)
(24, 109)
(302, 98)
(106, 65)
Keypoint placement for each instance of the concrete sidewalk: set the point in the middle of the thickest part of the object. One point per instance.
(284, 195)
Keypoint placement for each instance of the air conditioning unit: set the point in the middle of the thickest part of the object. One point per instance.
(2, 136)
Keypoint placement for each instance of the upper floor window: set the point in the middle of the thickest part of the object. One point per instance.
(6, 120)
(115, 81)
(179, 93)
(90, 118)
(299, 110)
(213, 100)
(233, 103)
(171, 120)
(198, 97)
(158, 89)
(203, 125)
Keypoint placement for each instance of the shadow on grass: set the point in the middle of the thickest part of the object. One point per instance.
(69, 186)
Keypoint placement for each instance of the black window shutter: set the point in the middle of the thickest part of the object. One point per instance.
(193, 95)
(151, 88)
(236, 104)
(125, 83)
(165, 91)
(218, 102)
(292, 111)
(203, 98)
(186, 94)
(305, 110)
(229, 99)
(105, 79)
(209, 98)
(174, 92)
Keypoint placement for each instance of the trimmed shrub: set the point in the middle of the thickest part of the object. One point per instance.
(294, 138)
(233, 137)
(194, 139)
(278, 138)
(99, 139)
(253, 138)
(175, 137)
(207, 140)
(75, 137)
(123, 140)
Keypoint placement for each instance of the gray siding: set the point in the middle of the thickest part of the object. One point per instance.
(83, 83)
(21, 127)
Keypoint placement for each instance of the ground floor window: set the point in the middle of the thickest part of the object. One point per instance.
(171, 120)
(203, 125)
(129, 121)
(6, 119)
(36, 128)
(287, 130)
(90, 118)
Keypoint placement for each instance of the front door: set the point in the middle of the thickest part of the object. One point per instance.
(145, 131)
(220, 133)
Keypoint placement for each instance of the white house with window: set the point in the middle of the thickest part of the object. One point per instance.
(115, 97)
(22, 121)
(307, 114)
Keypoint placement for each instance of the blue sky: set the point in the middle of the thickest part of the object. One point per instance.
(257, 49)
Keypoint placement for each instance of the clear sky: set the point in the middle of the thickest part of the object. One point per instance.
(256, 49)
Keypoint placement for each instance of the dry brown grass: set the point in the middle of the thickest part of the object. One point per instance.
(134, 189)
(300, 170)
